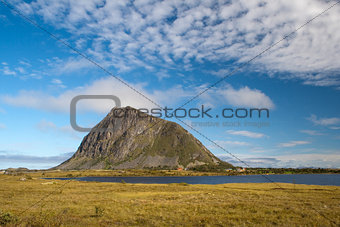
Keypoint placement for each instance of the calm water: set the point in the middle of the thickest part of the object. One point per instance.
(316, 179)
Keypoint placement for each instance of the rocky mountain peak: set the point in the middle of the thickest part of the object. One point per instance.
(127, 138)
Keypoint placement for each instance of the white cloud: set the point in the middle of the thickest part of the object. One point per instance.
(61, 103)
(230, 143)
(25, 63)
(246, 133)
(7, 71)
(324, 121)
(2, 126)
(221, 72)
(293, 143)
(60, 66)
(330, 159)
(322, 160)
(23, 70)
(166, 32)
(69, 65)
(171, 97)
(246, 97)
(58, 83)
(312, 132)
(104, 86)
(25, 8)
(242, 97)
(10, 160)
(20, 70)
(162, 75)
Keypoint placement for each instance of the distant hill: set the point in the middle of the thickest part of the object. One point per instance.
(122, 143)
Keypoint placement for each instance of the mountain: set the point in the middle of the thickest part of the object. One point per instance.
(137, 140)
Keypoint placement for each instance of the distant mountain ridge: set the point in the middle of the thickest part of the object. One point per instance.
(134, 142)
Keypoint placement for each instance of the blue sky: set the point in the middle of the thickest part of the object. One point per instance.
(170, 51)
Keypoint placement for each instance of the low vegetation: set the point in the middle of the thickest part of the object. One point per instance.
(204, 170)
(74, 203)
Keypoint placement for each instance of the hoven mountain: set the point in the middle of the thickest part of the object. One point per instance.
(135, 140)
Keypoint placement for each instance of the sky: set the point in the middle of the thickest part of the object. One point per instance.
(164, 53)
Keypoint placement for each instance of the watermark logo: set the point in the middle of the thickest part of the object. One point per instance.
(73, 108)
(202, 113)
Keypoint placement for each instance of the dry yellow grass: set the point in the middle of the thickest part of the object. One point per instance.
(108, 204)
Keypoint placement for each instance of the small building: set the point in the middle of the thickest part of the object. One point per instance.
(240, 169)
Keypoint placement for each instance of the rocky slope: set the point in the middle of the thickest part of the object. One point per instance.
(138, 141)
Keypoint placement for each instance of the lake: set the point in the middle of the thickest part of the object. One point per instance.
(311, 179)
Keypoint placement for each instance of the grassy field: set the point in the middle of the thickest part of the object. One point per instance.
(73, 203)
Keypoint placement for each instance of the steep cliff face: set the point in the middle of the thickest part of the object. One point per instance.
(137, 140)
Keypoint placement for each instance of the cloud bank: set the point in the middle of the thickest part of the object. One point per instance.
(331, 121)
(330, 160)
(245, 133)
(8, 160)
(177, 33)
(110, 86)
(293, 143)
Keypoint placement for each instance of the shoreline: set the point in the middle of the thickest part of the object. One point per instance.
(162, 173)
